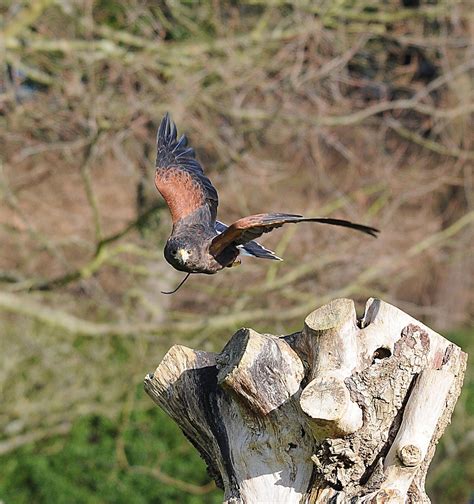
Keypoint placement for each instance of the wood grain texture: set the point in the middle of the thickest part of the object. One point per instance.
(344, 411)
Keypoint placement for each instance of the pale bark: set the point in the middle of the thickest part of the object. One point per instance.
(346, 410)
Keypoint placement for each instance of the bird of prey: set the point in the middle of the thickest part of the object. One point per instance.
(199, 243)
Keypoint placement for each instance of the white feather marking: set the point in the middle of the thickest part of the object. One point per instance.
(243, 252)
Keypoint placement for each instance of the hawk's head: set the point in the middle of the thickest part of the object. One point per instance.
(181, 255)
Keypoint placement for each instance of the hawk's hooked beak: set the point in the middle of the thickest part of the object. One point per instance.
(182, 255)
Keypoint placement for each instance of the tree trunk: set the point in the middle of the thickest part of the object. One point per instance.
(346, 410)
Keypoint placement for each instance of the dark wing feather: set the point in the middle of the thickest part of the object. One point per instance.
(179, 177)
(249, 228)
(251, 248)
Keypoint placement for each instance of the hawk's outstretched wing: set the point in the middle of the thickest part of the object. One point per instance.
(179, 177)
(253, 226)
(250, 248)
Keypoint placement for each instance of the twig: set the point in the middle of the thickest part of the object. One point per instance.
(26, 17)
(88, 187)
(184, 486)
(11, 444)
(94, 264)
(431, 145)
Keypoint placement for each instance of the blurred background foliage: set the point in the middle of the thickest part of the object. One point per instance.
(355, 108)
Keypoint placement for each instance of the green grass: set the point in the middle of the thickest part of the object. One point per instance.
(451, 475)
(84, 467)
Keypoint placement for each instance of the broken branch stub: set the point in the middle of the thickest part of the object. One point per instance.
(346, 410)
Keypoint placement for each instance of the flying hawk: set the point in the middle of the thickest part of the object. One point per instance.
(199, 243)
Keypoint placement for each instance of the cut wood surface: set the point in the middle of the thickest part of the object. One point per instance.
(347, 410)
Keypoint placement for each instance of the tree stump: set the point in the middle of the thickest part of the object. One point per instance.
(346, 411)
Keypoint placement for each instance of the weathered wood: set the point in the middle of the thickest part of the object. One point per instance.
(331, 342)
(346, 410)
